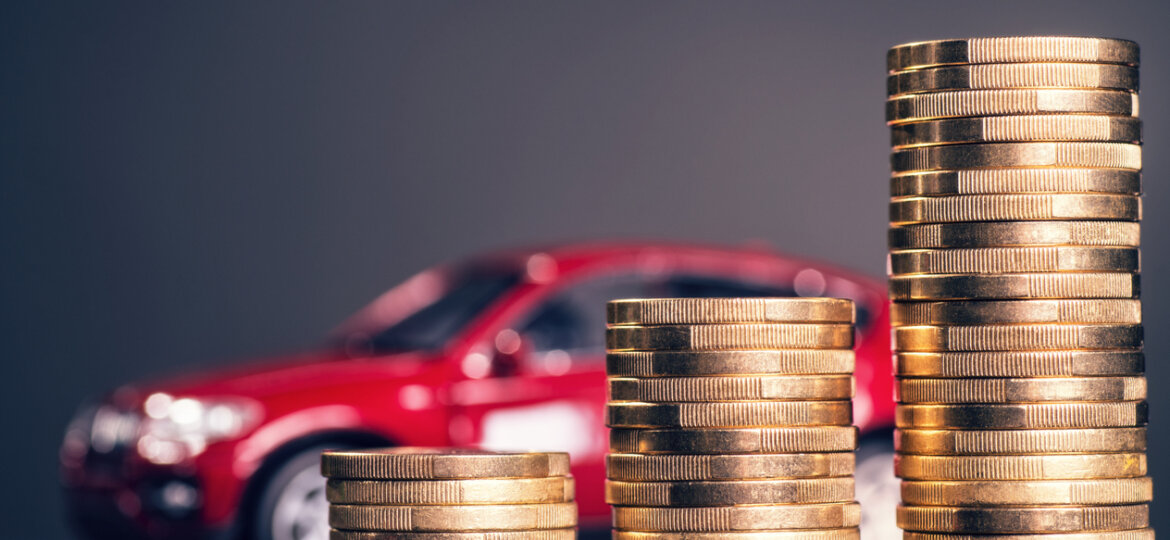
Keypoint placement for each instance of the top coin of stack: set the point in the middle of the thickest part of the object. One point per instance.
(449, 494)
(731, 418)
(1014, 273)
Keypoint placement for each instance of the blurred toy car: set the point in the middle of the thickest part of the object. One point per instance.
(504, 351)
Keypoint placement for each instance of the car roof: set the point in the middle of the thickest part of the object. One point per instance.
(576, 252)
(752, 255)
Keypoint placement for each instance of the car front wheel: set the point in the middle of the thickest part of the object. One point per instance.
(293, 505)
(878, 490)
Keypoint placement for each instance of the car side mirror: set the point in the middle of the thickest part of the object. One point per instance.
(511, 351)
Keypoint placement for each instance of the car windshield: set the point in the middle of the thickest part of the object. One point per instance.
(431, 327)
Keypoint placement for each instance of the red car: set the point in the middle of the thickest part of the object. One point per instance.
(504, 351)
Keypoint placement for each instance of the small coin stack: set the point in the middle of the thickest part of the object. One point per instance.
(449, 494)
(1014, 273)
(731, 419)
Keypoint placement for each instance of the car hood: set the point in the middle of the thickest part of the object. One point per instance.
(282, 375)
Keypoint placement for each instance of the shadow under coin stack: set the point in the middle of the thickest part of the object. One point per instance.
(1014, 270)
(449, 494)
(731, 419)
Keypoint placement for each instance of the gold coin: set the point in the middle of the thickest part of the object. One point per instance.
(730, 336)
(553, 489)
(1023, 520)
(1106, 311)
(992, 181)
(1024, 75)
(1015, 441)
(1019, 207)
(730, 414)
(1023, 286)
(1107, 155)
(552, 534)
(1053, 467)
(1137, 534)
(665, 468)
(1021, 390)
(1027, 128)
(1023, 416)
(729, 310)
(1020, 337)
(805, 387)
(1030, 493)
(1021, 364)
(441, 463)
(1016, 233)
(738, 518)
(496, 517)
(999, 50)
(1014, 260)
(730, 493)
(961, 103)
(776, 440)
(806, 534)
(702, 363)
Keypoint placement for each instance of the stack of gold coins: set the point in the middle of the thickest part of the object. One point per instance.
(731, 418)
(449, 494)
(1014, 274)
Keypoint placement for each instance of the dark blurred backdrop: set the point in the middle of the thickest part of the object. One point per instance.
(188, 184)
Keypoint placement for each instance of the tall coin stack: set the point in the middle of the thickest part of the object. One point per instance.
(449, 494)
(731, 419)
(1014, 274)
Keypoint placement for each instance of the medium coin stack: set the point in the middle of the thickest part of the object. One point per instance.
(731, 418)
(448, 494)
(1014, 273)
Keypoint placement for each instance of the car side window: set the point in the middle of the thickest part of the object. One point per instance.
(573, 320)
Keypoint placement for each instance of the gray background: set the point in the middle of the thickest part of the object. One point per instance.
(187, 184)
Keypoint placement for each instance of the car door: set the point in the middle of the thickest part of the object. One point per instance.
(546, 387)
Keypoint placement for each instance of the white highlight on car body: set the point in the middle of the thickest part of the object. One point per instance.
(555, 362)
(862, 407)
(507, 341)
(415, 397)
(809, 282)
(476, 365)
(556, 426)
(540, 268)
(158, 405)
(186, 411)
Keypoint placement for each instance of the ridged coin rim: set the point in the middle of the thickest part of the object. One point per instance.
(951, 442)
(666, 467)
(740, 362)
(440, 463)
(1034, 467)
(1014, 75)
(1060, 415)
(1022, 520)
(997, 50)
(672, 311)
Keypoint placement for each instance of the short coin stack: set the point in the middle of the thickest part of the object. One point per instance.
(449, 494)
(731, 419)
(1014, 273)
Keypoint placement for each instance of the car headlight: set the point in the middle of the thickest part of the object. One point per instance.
(177, 429)
(112, 429)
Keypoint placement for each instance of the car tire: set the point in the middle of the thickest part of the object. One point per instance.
(878, 490)
(292, 504)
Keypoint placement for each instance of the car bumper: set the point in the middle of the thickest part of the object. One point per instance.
(113, 513)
